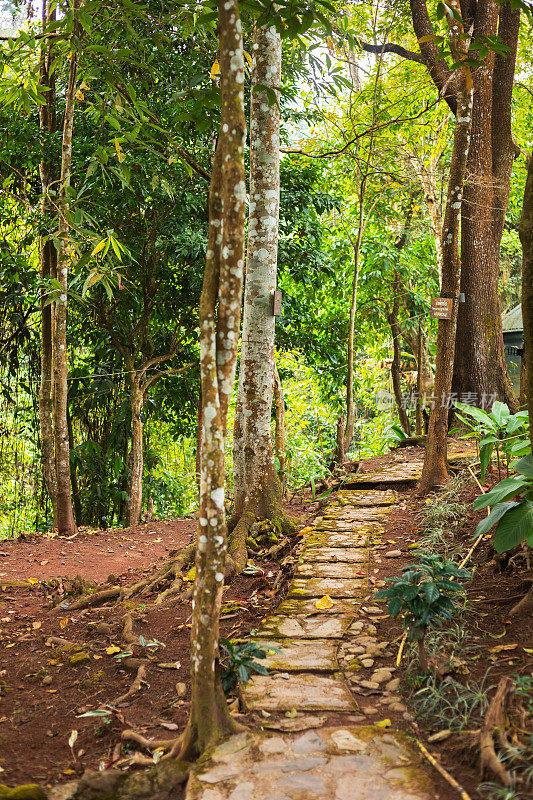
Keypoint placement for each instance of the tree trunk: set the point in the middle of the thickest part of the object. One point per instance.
(526, 237)
(220, 304)
(435, 470)
(135, 489)
(73, 477)
(280, 437)
(419, 429)
(258, 490)
(65, 517)
(480, 368)
(48, 258)
(396, 358)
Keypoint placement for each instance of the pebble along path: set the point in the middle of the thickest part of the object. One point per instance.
(329, 657)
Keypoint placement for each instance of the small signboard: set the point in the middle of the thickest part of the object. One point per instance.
(277, 304)
(441, 307)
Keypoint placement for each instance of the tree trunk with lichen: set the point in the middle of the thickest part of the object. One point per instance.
(480, 367)
(65, 517)
(281, 435)
(435, 469)
(48, 259)
(526, 238)
(135, 478)
(220, 304)
(258, 489)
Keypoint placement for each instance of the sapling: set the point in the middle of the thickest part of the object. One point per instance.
(424, 595)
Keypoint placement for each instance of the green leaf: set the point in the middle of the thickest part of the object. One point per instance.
(478, 414)
(525, 466)
(431, 592)
(501, 492)
(514, 527)
(500, 413)
(485, 454)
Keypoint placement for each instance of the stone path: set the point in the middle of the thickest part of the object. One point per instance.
(328, 658)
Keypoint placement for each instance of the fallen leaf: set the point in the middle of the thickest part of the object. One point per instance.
(291, 714)
(43, 563)
(112, 649)
(72, 738)
(170, 726)
(36, 625)
(324, 602)
(191, 574)
(170, 664)
(96, 658)
(63, 623)
(528, 650)
(384, 723)
(501, 647)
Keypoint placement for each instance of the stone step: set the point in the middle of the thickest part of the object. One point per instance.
(327, 570)
(340, 538)
(397, 473)
(303, 655)
(371, 498)
(304, 607)
(301, 691)
(319, 626)
(333, 554)
(318, 587)
(333, 763)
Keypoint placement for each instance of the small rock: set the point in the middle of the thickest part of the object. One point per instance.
(367, 662)
(393, 554)
(407, 716)
(47, 680)
(77, 659)
(103, 629)
(372, 609)
(440, 736)
(381, 676)
(181, 689)
(368, 712)
(369, 684)
(391, 686)
(398, 707)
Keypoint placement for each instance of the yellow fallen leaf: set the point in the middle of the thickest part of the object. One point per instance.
(324, 602)
(305, 530)
(112, 649)
(43, 563)
(191, 575)
(36, 625)
(501, 647)
(528, 650)
(33, 581)
(248, 58)
(215, 70)
(97, 657)
(384, 723)
(63, 623)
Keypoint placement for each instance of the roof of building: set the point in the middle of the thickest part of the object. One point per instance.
(512, 320)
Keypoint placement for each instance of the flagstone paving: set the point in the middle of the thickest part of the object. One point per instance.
(328, 659)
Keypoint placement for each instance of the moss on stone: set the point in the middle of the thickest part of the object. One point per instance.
(27, 791)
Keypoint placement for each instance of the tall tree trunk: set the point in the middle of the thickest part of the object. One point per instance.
(258, 490)
(526, 237)
(281, 436)
(392, 318)
(220, 304)
(73, 477)
(435, 470)
(65, 517)
(479, 361)
(48, 259)
(135, 489)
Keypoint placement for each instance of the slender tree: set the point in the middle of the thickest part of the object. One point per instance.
(258, 489)
(65, 516)
(48, 254)
(526, 237)
(220, 306)
(435, 470)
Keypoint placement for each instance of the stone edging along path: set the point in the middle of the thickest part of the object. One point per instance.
(324, 648)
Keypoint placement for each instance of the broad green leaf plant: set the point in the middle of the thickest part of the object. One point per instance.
(424, 596)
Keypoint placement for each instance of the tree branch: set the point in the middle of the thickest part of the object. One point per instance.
(442, 77)
(388, 47)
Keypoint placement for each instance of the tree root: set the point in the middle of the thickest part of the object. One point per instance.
(170, 572)
(135, 687)
(525, 604)
(147, 744)
(495, 719)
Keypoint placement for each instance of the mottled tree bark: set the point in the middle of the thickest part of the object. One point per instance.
(479, 361)
(48, 258)
(435, 471)
(526, 237)
(280, 435)
(258, 490)
(392, 318)
(220, 306)
(65, 516)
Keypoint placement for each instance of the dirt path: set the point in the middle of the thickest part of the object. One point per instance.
(93, 554)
